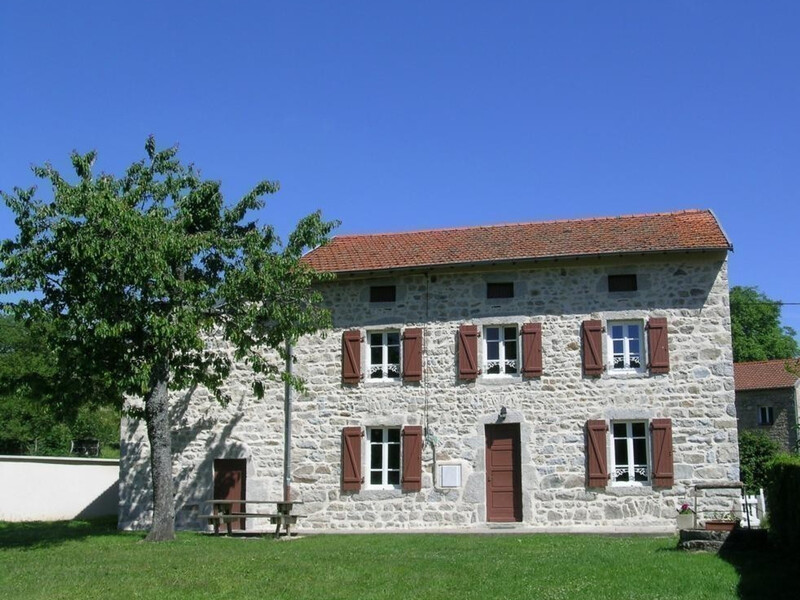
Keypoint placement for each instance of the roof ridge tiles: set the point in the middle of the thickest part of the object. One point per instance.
(525, 223)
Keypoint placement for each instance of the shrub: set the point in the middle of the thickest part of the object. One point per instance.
(783, 492)
(756, 450)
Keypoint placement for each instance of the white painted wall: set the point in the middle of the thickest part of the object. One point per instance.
(36, 488)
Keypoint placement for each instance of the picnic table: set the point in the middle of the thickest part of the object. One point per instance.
(223, 512)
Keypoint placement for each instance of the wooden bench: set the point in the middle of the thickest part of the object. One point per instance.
(223, 513)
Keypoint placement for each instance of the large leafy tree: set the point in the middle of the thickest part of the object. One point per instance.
(134, 273)
(37, 414)
(756, 327)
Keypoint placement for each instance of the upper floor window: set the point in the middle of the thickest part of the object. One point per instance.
(384, 355)
(629, 453)
(382, 293)
(501, 350)
(500, 290)
(622, 283)
(384, 457)
(626, 345)
(765, 415)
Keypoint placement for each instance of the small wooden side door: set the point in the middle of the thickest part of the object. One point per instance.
(503, 473)
(230, 478)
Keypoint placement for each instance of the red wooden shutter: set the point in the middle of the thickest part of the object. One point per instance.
(351, 459)
(468, 352)
(532, 350)
(596, 454)
(663, 471)
(412, 458)
(351, 356)
(592, 348)
(412, 354)
(657, 345)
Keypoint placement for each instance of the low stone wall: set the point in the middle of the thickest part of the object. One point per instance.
(37, 488)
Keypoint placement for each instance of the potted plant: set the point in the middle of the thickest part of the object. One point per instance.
(685, 517)
(722, 522)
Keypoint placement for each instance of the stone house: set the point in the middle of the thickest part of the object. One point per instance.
(572, 374)
(768, 399)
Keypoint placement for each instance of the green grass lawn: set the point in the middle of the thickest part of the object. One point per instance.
(85, 560)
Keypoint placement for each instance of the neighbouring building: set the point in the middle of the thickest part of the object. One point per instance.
(572, 374)
(767, 396)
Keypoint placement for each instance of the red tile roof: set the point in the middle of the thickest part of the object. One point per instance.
(633, 234)
(765, 374)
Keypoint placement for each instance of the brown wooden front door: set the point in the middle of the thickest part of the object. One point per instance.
(230, 483)
(503, 473)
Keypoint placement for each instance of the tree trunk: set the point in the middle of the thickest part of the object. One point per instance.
(156, 406)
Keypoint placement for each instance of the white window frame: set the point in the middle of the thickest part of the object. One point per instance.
(384, 467)
(501, 350)
(626, 350)
(769, 413)
(630, 467)
(384, 366)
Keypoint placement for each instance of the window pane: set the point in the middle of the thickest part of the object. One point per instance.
(393, 338)
(511, 350)
(492, 333)
(376, 435)
(639, 452)
(376, 456)
(393, 477)
(375, 355)
(621, 453)
(510, 333)
(638, 429)
(635, 362)
(394, 354)
(375, 478)
(633, 331)
(394, 436)
(375, 339)
(618, 348)
(620, 430)
(616, 331)
(492, 350)
(394, 456)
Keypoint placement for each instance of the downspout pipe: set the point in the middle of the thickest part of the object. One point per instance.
(287, 426)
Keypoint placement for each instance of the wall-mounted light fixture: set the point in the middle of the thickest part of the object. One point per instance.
(503, 413)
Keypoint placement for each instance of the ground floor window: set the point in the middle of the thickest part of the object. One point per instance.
(765, 415)
(384, 457)
(630, 453)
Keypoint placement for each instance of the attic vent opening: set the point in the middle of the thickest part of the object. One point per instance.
(382, 293)
(500, 290)
(622, 283)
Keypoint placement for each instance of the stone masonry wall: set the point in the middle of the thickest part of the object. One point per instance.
(690, 290)
(784, 428)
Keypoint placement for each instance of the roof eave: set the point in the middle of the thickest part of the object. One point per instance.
(507, 261)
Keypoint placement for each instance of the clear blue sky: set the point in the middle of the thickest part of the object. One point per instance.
(405, 115)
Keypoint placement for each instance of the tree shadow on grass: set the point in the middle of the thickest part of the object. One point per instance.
(765, 571)
(45, 534)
